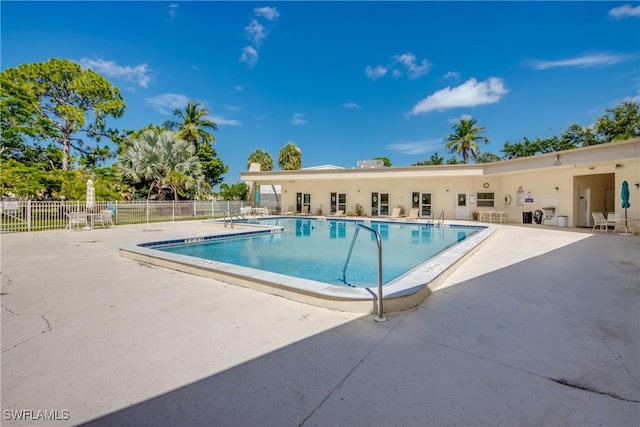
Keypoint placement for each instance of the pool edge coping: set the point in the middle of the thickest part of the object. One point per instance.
(402, 293)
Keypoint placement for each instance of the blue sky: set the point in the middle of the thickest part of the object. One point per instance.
(345, 81)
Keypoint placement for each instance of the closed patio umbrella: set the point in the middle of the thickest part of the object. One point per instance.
(624, 195)
(91, 195)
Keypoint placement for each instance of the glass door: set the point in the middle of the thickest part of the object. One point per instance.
(425, 205)
(379, 204)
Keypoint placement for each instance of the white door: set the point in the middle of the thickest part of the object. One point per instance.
(462, 206)
(584, 207)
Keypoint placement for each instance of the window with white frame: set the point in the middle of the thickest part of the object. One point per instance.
(486, 200)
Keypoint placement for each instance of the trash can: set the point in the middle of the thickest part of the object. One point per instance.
(562, 220)
(527, 217)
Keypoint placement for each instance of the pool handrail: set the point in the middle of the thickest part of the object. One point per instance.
(380, 317)
(230, 215)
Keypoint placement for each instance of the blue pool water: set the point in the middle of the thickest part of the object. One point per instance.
(317, 249)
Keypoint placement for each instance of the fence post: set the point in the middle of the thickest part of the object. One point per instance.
(147, 211)
(28, 215)
(173, 211)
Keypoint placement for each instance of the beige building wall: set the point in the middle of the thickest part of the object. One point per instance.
(548, 181)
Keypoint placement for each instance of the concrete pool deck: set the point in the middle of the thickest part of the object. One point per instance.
(540, 326)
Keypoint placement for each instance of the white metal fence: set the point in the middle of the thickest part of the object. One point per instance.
(20, 216)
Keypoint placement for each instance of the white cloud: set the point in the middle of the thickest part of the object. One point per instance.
(633, 98)
(351, 106)
(405, 62)
(249, 56)
(461, 118)
(233, 108)
(593, 60)
(138, 74)
(167, 102)
(269, 13)
(414, 70)
(416, 147)
(256, 32)
(298, 119)
(172, 11)
(469, 94)
(451, 75)
(375, 72)
(624, 11)
(238, 88)
(222, 121)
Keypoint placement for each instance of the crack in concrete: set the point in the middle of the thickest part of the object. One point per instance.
(346, 377)
(617, 359)
(5, 286)
(566, 382)
(48, 327)
(556, 380)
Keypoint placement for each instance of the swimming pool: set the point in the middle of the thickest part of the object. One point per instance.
(317, 249)
(303, 258)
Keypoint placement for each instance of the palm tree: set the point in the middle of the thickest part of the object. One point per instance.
(162, 159)
(464, 139)
(192, 125)
(262, 157)
(290, 157)
(266, 164)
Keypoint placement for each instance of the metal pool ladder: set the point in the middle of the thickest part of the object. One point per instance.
(380, 317)
(441, 219)
(230, 215)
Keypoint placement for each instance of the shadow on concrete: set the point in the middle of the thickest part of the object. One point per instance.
(552, 340)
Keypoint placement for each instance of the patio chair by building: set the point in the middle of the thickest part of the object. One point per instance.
(396, 213)
(599, 221)
(304, 211)
(413, 213)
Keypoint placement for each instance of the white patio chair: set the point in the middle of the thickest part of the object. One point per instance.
(599, 221)
(105, 219)
(77, 220)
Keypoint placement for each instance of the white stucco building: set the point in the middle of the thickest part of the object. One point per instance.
(565, 186)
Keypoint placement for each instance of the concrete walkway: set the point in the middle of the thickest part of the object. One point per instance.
(540, 327)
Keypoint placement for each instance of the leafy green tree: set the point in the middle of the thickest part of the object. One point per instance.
(213, 168)
(577, 136)
(454, 161)
(237, 191)
(435, 159)
(290, 157)
(464, 139)
(385, 161)
(266, 164)
(619, 123)
(519, 149)
(193, 126)
(162, 159)
(487, 158)
(29, 181)
(58, 100)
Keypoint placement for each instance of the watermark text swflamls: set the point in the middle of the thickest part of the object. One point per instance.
(36, 415)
